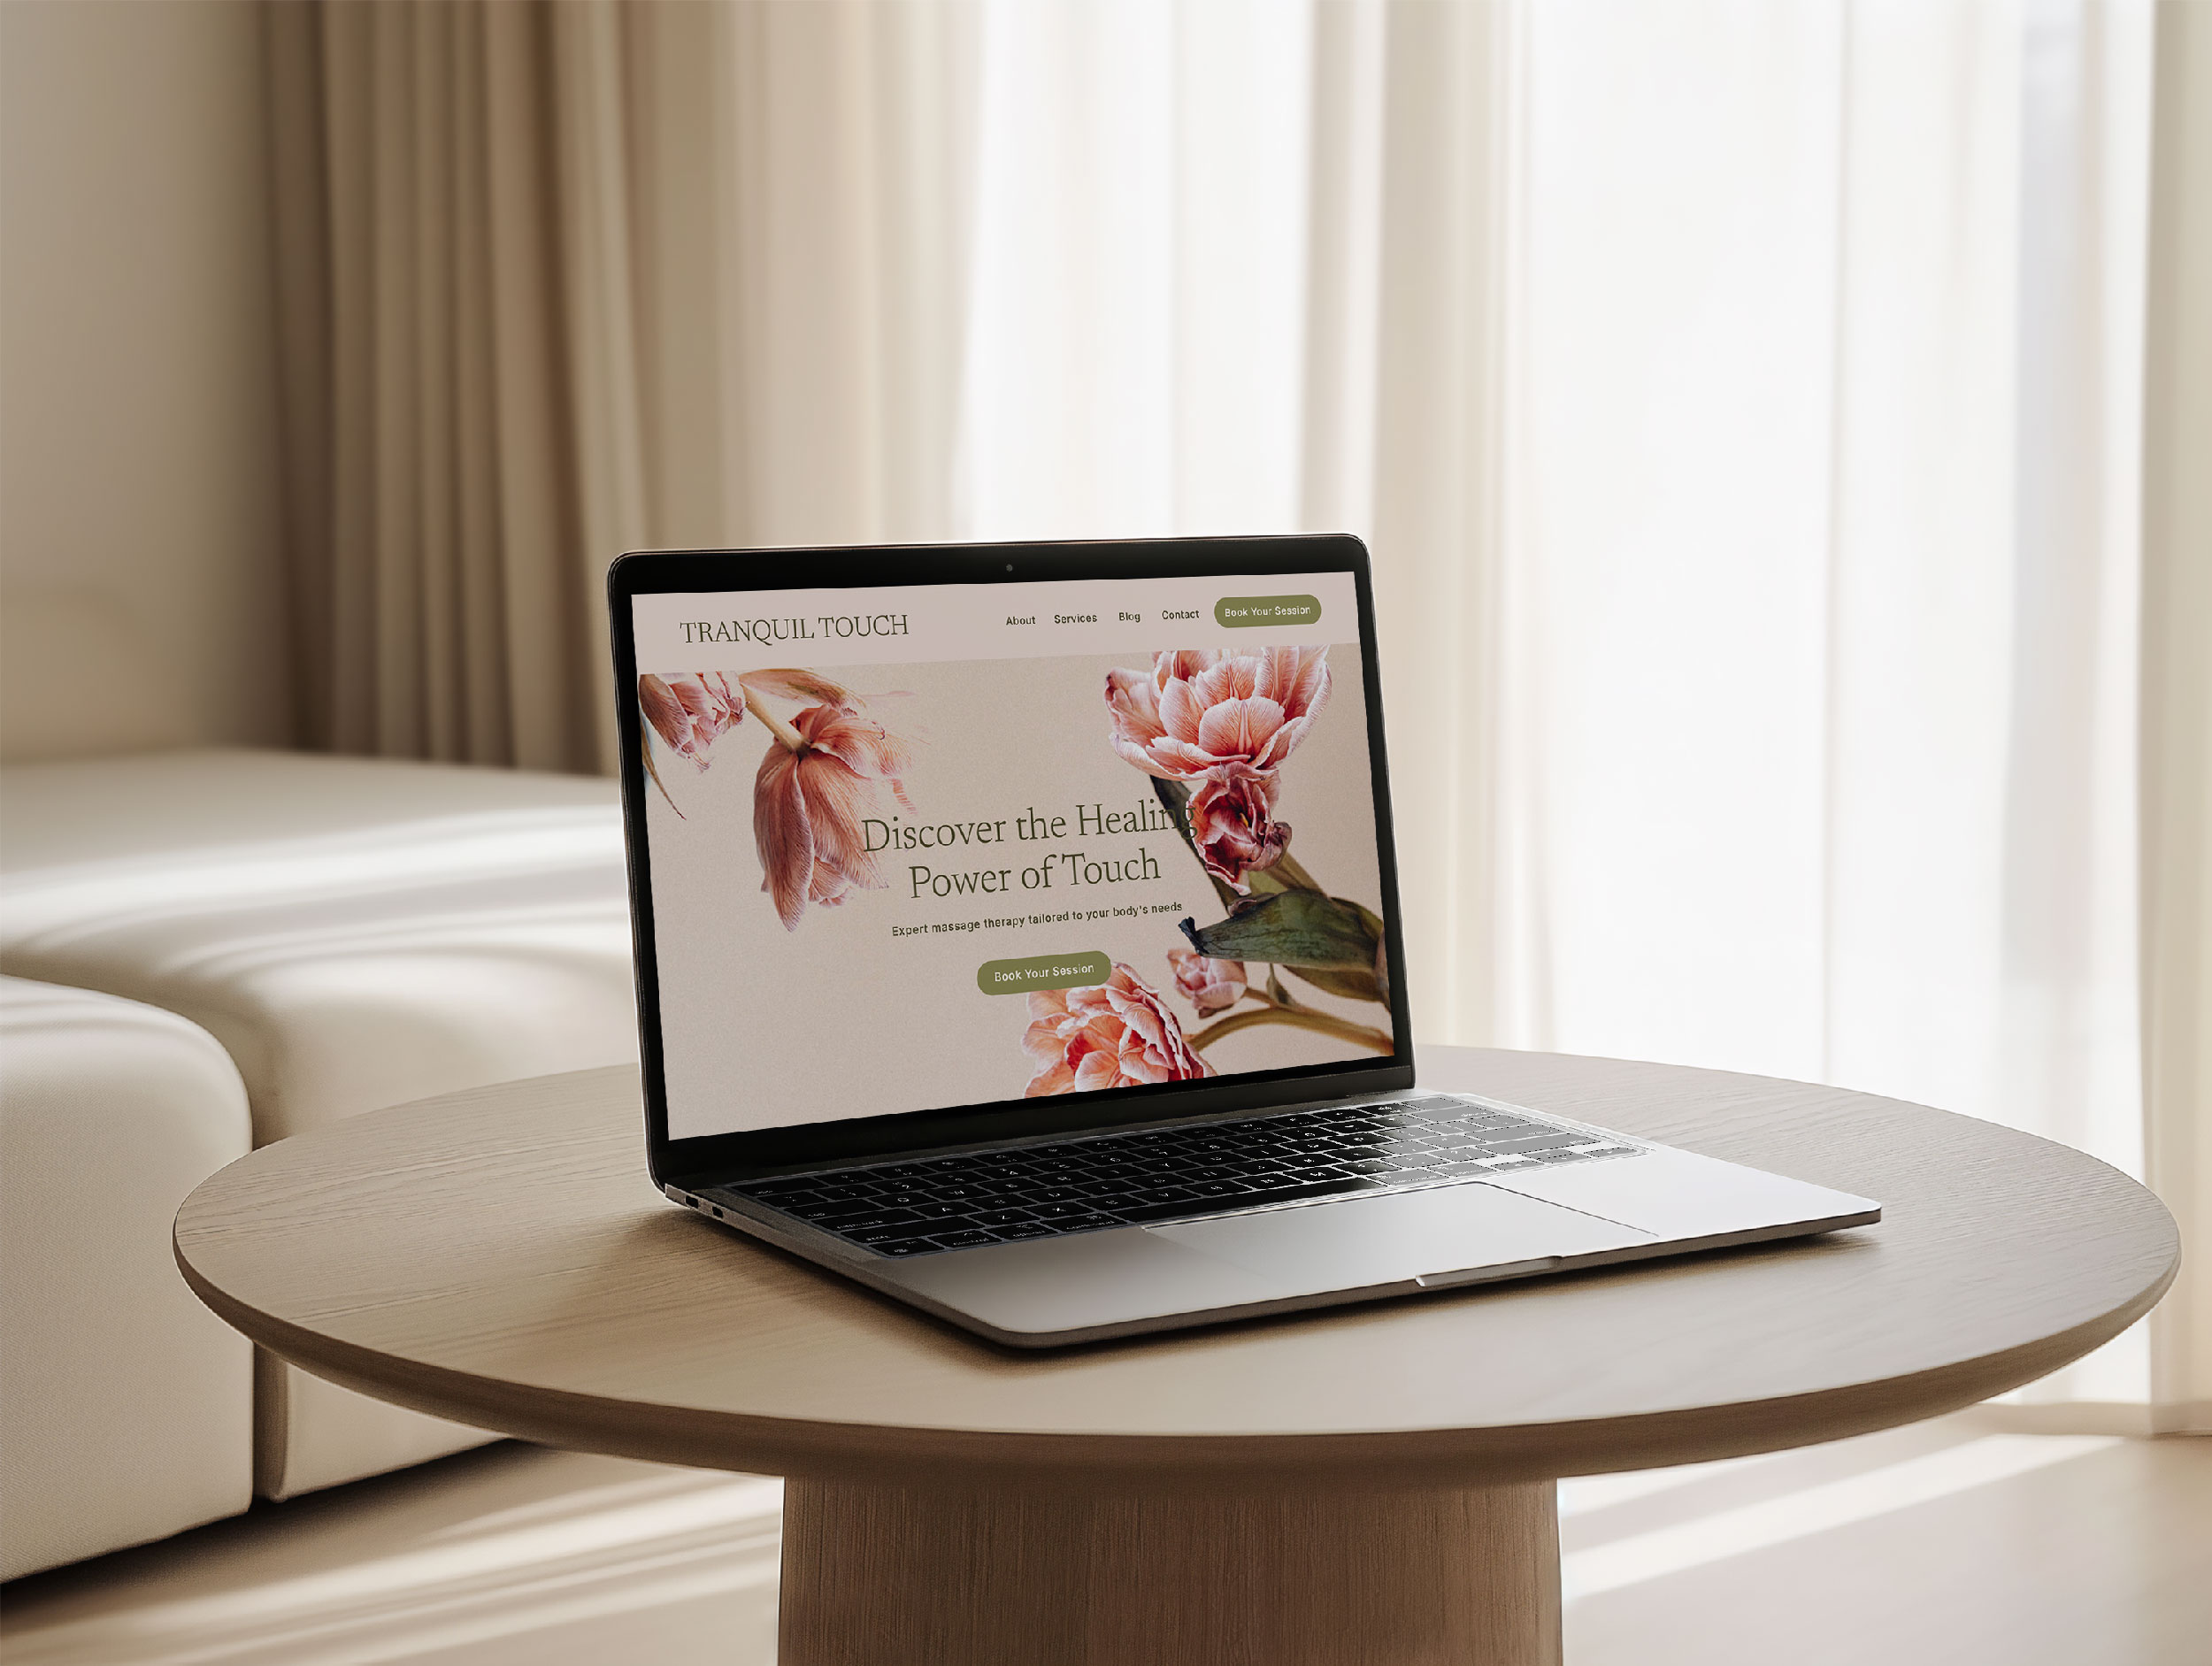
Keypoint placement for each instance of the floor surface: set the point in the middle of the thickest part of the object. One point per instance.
(1938, 1544)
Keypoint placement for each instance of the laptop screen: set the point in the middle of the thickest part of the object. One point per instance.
(928, 846)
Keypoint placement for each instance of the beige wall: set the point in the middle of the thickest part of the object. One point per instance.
(137, 422)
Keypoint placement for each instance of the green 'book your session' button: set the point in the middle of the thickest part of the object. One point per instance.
(1043, 972)
(1239, 611)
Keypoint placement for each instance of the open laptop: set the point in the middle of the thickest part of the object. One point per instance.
(1017, 934)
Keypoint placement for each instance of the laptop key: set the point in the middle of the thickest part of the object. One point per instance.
(873, 1236)
(1348, 1186)
(778, 1191)
(906, 1220)
(964, 1239)
(904, 1247)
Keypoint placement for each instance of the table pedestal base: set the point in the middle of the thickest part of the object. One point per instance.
(889, 1576)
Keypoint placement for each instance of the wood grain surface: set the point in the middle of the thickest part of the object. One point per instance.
(877, 1574)
(500, 1257)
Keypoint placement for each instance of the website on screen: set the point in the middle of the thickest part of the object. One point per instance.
(943, 845)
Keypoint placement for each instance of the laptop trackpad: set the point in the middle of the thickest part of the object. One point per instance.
(1407, 1235)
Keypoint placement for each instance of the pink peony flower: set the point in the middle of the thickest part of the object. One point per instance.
(808, 803)
(1202, 709)
(1233, 824)
(688, 710)
(1114, 1034)
(1209, 985)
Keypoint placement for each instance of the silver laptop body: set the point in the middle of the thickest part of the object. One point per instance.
(1148, 1175)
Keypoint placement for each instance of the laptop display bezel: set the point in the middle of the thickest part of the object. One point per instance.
(751, 1153)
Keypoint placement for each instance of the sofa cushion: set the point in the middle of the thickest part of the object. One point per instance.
(357, 932)
(128, 1405)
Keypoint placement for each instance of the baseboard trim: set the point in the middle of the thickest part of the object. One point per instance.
(2095, 1416)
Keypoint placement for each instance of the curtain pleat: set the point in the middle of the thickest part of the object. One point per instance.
(436, 371)
(300, 247)
(482, 714)
(2177, 699)
(462, 450)
(1438, 495)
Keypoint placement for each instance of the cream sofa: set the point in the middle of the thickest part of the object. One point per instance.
(351, 933)
(129, 1407)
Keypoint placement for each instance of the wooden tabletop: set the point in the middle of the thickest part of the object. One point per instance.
(500, 1257)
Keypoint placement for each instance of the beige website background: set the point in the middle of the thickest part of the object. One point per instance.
(872, 1006)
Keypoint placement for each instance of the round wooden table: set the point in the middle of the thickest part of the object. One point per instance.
(1371, 1483)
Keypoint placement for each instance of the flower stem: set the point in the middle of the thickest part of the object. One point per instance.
(775, 725)
(645, 745)
(1288, 868)
(1303, 1019)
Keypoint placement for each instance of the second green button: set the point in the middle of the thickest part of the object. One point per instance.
(1043, 972)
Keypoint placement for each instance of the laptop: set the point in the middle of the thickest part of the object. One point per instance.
(1019, 934)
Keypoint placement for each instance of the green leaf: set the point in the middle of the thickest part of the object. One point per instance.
(1175, 798)
(1297, 929)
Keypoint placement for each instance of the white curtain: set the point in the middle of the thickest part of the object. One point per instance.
(1818, 576)
(1743, 401)
(1742, 398)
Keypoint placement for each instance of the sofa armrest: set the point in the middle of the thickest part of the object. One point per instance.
(128, 1405)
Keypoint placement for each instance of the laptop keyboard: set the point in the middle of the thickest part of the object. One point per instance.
(962, 1202)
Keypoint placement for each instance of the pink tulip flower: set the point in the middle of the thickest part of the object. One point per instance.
(1209, 985)
(1114, 1034)
(1233, 824)
(809, 800)
(1202, 709)
(688, 710)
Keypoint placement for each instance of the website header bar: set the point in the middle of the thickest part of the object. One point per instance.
(745, 630)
